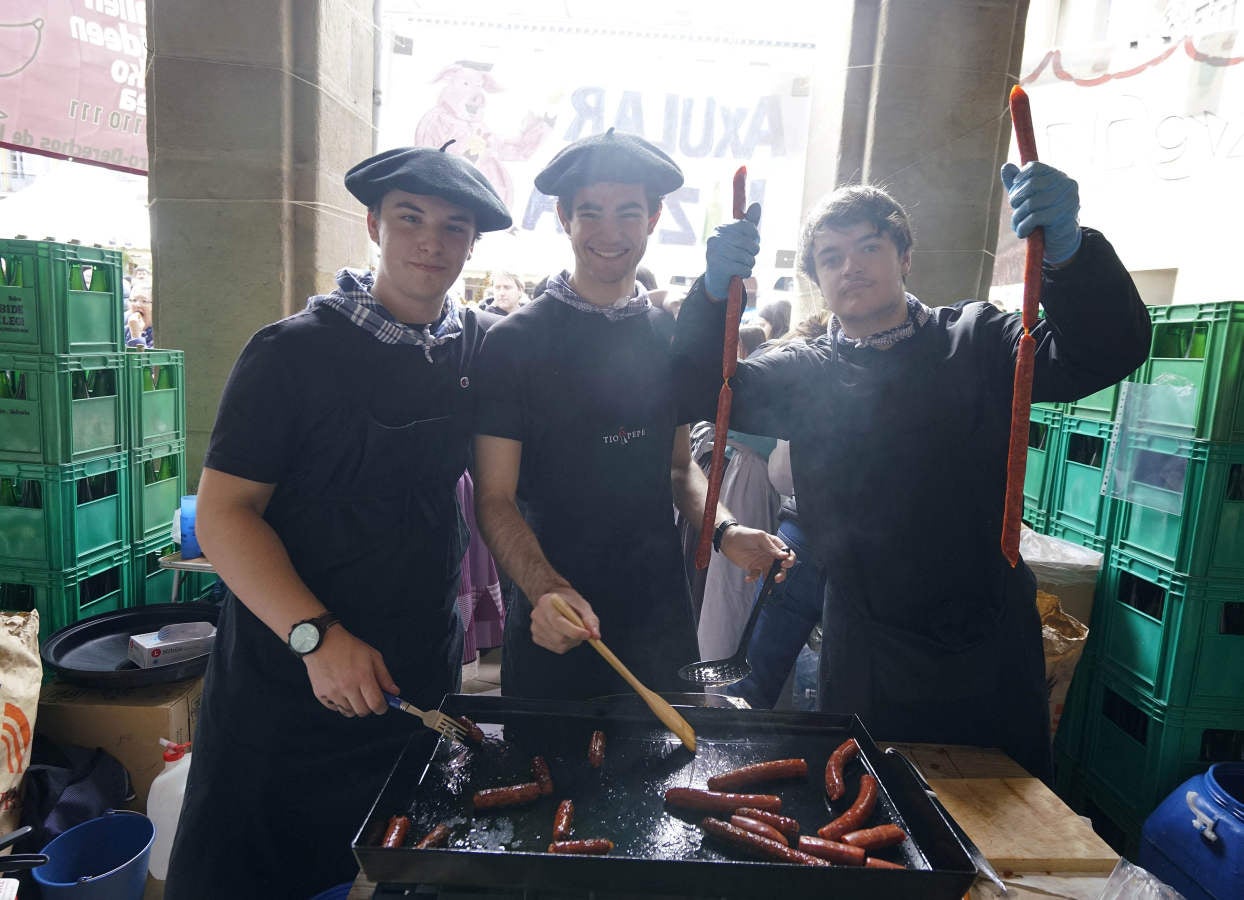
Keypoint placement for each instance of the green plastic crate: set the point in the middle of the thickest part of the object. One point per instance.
(1043, 430)
(45, 314)
(64, 596)
(1195, 358)
(57, 517)
(1142, 750)
(157, 484)
(1203, 483)
(1098, 407)
(157, 396)
(1076, 470)
(1178, 640)
(151, 583)
(1076, 536)
(64, 409)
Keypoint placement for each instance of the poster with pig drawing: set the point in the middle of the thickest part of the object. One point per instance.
(511, 97)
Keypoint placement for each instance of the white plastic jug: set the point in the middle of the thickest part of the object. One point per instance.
(164, 804)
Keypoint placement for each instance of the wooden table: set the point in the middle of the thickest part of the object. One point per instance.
(1037, 844)
(178, 565)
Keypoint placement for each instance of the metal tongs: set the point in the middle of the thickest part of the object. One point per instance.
(18, 862)
(983, 867)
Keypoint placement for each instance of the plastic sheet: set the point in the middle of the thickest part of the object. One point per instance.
(1131, 882)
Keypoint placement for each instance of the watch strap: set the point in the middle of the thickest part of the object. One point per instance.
(720, 532)
(322, 623)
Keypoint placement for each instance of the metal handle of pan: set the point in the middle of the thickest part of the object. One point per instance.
(983, 866)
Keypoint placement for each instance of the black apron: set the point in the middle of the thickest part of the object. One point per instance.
(928, 634)
(596, 488)
(279, 784)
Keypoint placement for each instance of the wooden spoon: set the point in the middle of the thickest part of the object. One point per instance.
(663, 711)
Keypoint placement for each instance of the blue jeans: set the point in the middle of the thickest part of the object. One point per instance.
(784, 624)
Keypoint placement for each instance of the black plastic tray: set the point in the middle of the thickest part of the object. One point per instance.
(94, 652)
(657, 850)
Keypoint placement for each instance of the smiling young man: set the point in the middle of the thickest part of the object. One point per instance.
(577, 416)
(327, 505)
(899, 421)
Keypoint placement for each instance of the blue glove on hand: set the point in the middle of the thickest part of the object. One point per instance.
(732, 251)
(1044, 197)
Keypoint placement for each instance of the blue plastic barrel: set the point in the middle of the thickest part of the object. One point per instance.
(102, 859)
(1194, 841)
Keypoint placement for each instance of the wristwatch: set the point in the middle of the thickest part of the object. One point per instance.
(720, 532)
(306, 636)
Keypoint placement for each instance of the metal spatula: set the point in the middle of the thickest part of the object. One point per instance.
(718, 672)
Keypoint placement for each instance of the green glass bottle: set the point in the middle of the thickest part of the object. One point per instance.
(8, 492)
(6, 385)
(81, 391)
(100, 280)
(14, 274)
(18, 382)
(32, 494)
(167, 468)
(148, 378)
(1196, 346)
(77, 280)
(164, 380)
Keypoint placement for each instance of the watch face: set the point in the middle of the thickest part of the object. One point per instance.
(304, 637)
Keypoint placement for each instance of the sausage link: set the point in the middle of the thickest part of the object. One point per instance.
(784, 824)
(434, 838)
(842, 854)
(755, 826)
(1021, 121)
(838, 760)
(596, 749)
(873, 863)
(715, 801)
(540, 771)
(875, 838)
(474, 733)
(1017, 451)
(511, 795)
(756, 845)
(857, 815)
(756, 773)
(563, 820)
(587, 846)
(395, 833)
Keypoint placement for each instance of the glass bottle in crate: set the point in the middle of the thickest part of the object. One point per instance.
(77, 279)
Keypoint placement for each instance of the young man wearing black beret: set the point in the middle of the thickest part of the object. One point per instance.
(327, 505)
(577, 416)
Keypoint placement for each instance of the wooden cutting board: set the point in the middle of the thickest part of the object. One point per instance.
(1022, 826)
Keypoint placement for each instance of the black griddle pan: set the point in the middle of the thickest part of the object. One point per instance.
(657, 849)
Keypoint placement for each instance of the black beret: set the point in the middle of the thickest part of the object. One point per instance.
(612, 156)
(424, 170)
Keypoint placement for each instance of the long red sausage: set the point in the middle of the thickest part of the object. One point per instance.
(729, 361)
(511, 795)
(838, 760)
(774, 770)
(755, 826)
(876, 838)
(784, 824)
(1021, 403)
(540, 771)
(596, 749)
(873, 863)
(857, 815)
(474, 733)
(395, 833)
(434, 838)
(587, 846)
(835, 852)
(715, 801)
(563, 820)
(756, 845)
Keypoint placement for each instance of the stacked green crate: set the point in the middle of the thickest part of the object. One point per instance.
(65, 517)
(1079, 510)
(1044, 423)
(1162, 695)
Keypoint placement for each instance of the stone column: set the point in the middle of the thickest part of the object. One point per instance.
(911, 95)
(256, 110)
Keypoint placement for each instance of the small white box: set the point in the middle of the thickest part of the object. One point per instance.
(172, 644)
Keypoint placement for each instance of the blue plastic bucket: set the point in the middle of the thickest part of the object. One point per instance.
(336, 892)
(104, 858)
(1194, 841)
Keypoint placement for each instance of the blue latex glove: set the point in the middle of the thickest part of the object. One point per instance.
(1042, 196)
(732, 251)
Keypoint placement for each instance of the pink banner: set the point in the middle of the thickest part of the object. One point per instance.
(72, 80)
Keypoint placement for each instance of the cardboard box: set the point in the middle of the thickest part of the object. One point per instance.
(126, 723)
